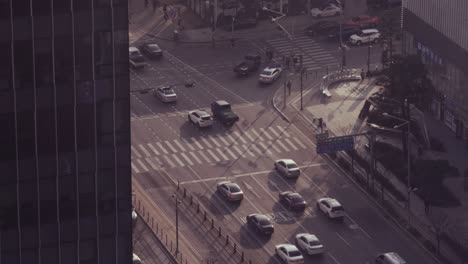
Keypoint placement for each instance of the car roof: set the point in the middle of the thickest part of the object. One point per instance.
(309, 237)
(165, 88)
(332, 202)
(395, 257)
(132, 49)
(203, 113)
(287, 161)
(221, 102)
(261, 217)
(371, 30)
(228, 183)
(289, 247)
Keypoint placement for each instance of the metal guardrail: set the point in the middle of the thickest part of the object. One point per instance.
(338, 76)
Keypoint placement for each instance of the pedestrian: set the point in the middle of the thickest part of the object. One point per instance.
(363, 75)
(289, 87)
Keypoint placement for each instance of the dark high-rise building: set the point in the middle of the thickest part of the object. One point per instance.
(65, 182)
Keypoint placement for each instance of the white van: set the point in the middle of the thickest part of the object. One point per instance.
(136, 259)
(389, 258)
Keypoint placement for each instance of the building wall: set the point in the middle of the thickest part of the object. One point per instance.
(437, 32)
(65, 194)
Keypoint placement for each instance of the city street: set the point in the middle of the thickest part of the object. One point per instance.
(167, 149)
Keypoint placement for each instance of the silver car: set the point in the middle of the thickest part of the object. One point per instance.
(166, 94)
(288, 168)
(230, 190)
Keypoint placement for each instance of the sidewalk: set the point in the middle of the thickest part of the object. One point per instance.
(340, 115)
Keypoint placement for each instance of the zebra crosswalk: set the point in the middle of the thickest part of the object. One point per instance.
(211, 149)
(314, 56)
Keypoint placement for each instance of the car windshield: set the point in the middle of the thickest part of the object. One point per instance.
(337, 208)
(234, 188)
(267, 72)
(291, 166)
(153, 47)
(167, 91)
(206, 118)
(314, 243)
(294, 253)
(263, 221)
(297, 199)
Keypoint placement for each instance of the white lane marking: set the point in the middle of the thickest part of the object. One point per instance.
(299, 142)
(186, 158)
(282, 145)
(206, 142)
(251, 189)
(195, 157)
(233, 141)
(231, 153)
(342, 238)
(248, 135)
(147, 154)
(332, 257)
(234, 176)
(189, 144)
(224, 141)
(274, 132)
(240, 137)
(265, 148)
(134, 151)
(198, 144)
(221, 154)
(162, 148)
(363, 231)
(283, 131)
(264, 132)
(179, 145)
(170, 146)
(153, 149)
(236, 148)
(169, 161)
(143, 166)
(178, 160)
(213, 155)
(204, 156)
(151, 163)
(135, 168)
(290, 143)
(215, 141)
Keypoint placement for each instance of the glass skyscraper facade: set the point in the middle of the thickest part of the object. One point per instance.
(65, 179)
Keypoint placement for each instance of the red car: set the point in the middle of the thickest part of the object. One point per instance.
(363, 21)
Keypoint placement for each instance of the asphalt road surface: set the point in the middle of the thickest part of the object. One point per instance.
(163, 140)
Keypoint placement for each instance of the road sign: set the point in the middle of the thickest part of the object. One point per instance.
(335, 144)
(321, 137)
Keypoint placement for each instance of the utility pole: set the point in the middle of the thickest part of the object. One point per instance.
(302, 74)
(368, 59)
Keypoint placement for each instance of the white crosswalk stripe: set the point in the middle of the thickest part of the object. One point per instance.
(257, 135)
(188, 143)
(147, 154)
(282, 146)
(264, 132)
(224, 141)
(162, 148)
(174, 156)
(168, 160)
(142, 165)
(254, 147)
(151, 163)
(275, 147)
(265, 148)
(299, 143)
(240, 137)
(198, 144)
(153, 149)
(246, 133)
(236, 148)
(135, 152)
(135, 169)
(213, 155)
(283, 131)
(274, 132)
(195, 158)
(179, 145)
(233, 141)
(213, 139)
(204, 156)
(220, 152)
(170, 146)
(186, 158)
(290, 143)
(231, 153)
(205, 141)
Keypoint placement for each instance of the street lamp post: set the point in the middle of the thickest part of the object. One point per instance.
(406, 123)
(368, 59)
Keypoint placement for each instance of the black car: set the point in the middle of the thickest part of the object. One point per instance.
(223, 113)
(260, 223)
(241, 23)
(152, 50)
(321, 28)
(346, 32)
(293, 201)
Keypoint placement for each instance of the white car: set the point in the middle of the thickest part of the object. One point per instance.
(365, 36)
(331, 207)
(309, 243)
(330, 10)
(390, 257)
(200, 118)
(270, 74)
(287, 168)
(289, 253)
(166, 94)
(230, 190)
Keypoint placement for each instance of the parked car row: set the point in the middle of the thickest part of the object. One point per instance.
(346, 32)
